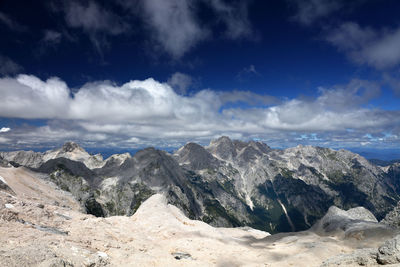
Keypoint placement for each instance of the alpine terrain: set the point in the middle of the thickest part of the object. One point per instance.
(228, 183)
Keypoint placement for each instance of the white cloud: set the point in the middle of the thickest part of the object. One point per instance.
(150, 112)
(8, 66)
(176, 27)
(247, 97)
(4, 129)
(11, 23)
(51, 37)
(29, 97)
(247, 72)
(94, 20)
(376, 48)
(393, 81)
(173, 25)
(308, 11)
(4, 140)
(234, 16)
(180, 82)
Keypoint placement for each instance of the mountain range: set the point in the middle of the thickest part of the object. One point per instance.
(228, 183)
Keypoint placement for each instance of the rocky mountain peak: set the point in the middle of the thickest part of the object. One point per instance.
(223, 148)
(222, 139)
(196, 156)
(262, 147)
(191, 148)
(70, 147)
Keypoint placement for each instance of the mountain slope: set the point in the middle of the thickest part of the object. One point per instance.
(228, 183)
(42, 226)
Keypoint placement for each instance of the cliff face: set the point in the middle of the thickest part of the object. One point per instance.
(228, 183)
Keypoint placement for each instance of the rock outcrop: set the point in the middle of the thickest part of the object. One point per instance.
(356, 223)
(386, 254)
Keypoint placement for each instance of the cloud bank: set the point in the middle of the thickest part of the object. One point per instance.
(149, 112)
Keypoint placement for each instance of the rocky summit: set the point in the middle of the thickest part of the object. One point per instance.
(249, 186)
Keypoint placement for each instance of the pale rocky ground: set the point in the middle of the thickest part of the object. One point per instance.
(43, 226)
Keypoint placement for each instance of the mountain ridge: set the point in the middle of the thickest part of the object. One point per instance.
(227, 183)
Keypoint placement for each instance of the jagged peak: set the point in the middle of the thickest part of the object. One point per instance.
(223, 148)
(120, 157)
(220, 140)
(191, 146)
(70, 147)
(262, 147)
(149, 151)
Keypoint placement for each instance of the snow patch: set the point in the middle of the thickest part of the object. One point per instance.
(287, 215)
(9, 206)
(249, 202)
(2, 180)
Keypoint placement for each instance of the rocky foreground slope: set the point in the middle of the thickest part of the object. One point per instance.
(42, 225)
(229, 183)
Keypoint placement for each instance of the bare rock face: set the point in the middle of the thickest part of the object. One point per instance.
(356, 223)
(69, 150)
(23, 158)
(43, 226)
(223, 148)
(393, 217)
(228, 183)
(389, 253)
(386, 254)
(5, 187)
(4, 163)
(52, 232)
(196, 157)
(359, 257)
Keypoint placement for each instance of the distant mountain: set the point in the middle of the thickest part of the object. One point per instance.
(384, 163)
(69, 150)
(228, 183)
(386, 154)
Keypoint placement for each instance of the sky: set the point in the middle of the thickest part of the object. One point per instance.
(138, 73)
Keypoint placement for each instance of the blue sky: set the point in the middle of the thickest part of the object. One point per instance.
(129, 74)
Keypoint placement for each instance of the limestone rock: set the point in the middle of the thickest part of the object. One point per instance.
(389, 252)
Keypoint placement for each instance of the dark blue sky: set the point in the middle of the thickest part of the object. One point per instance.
(280, 71)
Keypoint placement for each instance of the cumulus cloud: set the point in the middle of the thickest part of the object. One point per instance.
(150, 112)
(29, 97)
(364, 45)
(308, 11)
(180, 82)
(4, 129)
(8, 66)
